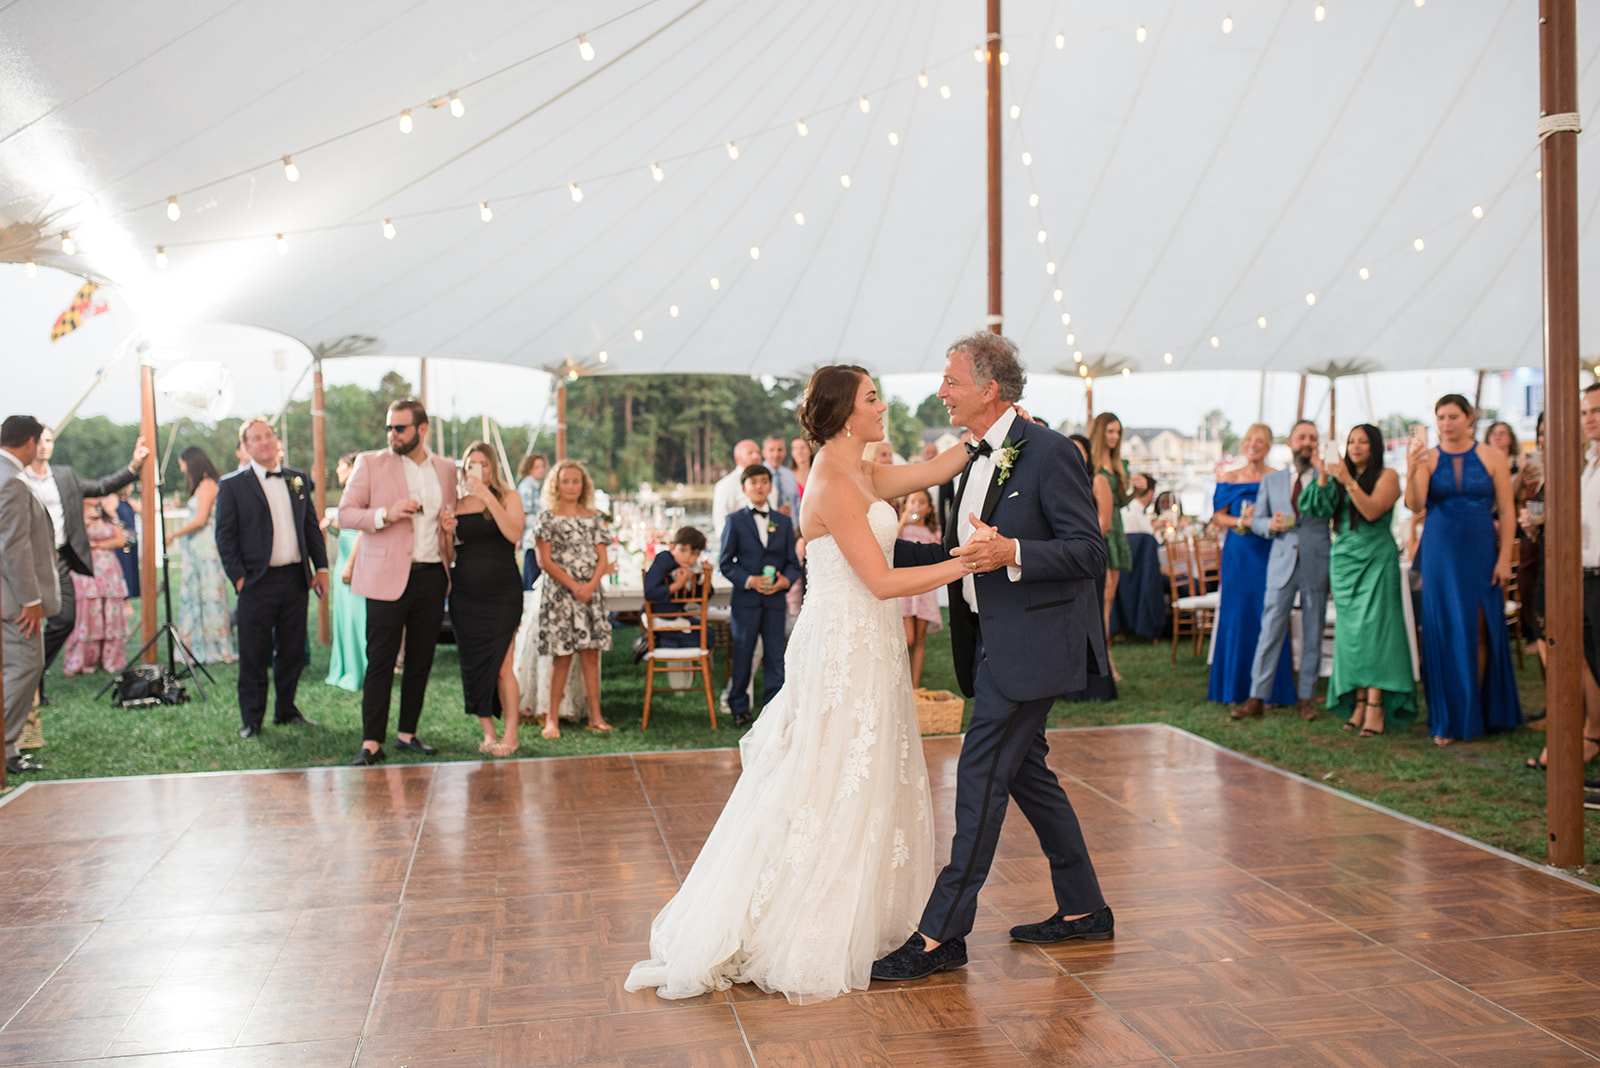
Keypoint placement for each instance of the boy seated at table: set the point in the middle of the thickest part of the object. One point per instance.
(673, 574)
(758, 556)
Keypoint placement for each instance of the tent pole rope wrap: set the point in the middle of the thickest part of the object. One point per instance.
(1561, 122)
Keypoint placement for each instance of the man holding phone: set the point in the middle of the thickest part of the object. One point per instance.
(272, 548)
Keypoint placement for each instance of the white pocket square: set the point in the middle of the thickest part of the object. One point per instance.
(1013, 494)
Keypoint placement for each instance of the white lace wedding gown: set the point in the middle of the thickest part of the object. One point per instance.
(822, 858)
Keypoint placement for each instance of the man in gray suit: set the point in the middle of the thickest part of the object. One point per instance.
(1298, 565)
(29, 593)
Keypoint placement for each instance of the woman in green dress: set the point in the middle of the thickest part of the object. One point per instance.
(1372, 682)
(1112, 490)
(347, 665)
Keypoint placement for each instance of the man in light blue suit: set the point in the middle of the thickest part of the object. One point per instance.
(1298, 565)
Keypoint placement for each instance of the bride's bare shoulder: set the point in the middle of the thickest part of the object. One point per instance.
(830, 498)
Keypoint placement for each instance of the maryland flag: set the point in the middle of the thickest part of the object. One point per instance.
(73, 317)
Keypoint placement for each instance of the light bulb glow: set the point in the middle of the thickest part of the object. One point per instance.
(604, 356)
(733, 150)
(1166, 358)
(283, 245)
(944, 91)
(1056, 296)
(1538, 175)
(173, 211)
(1311, 300)
(799, 218)
(290, 171)
(1320, 12)
(1364, 273)
(585, 49)
(1083, 372)
(1050, 268)
(1417, 244)
(844, 180)
(865, 105)
(656, 172)
(801, 128)
(1027, 159)
(1066, 319)
(388, 229)
(577, 194)
(161, 257)
(1261, 321)
(30, 269)
(457, 108)
(1005, 59)
(894, 138)
(977, 54)
(405, 121)
(716, 283)
(1077, 356)
(1477, 211)
(638, 335)
(1072, 339)
(68, 246)
(1127, 371)
(922, 79)
(755, 252)
(1227, 24)
(1139, 34)
(673, 311)
(1216, 342)
(1016, 111)
(572, 375)
(1041, 236)
(1033, 200)
(483, 211)
(1061, 41)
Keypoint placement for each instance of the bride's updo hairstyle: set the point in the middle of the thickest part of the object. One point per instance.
(830, 401)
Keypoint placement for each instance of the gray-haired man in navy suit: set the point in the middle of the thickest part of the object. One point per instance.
(1025, 627)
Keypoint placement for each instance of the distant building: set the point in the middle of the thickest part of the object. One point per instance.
(1163, 445)
(943, 437)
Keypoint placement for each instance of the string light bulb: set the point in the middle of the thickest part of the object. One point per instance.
(733, 150)
(161, 256)
(483, 211)
(638, 335)
(405, 121)
(290, 171)
(844, 180)
(1127, 372)
(1166, 358)
(604, 356)
(802, 129)
(1216, 342)
(577, 194)
(977, 54)
(1072, 339)
(1418, 3)
(1016, 111)
(1139, 34)
(1538, 175)
(922, 80)
(69, 247)
(1005, 59)
(572, 375)
(799, 218)
(673, 311)
(656, 172)
(1364, 274)
(944, 91)
(865, 105)
(1033, 200)
(716, 283)
(1041, 236)
(1056, 296)
(173, 211)
(894, 139)
(283, 245)
(1227, 24)
(1066, 319)
(1320, 12)
(1261, 321)
(1083, 372)
(1027, 159)
(1477, 211)
(30, 269)
(1311, 300)
(755, 252)
(1417, 244)
(1077, 357)
(585, 49)
(457, 108)
(1050, 268)
(1061, 41)
(388, 229)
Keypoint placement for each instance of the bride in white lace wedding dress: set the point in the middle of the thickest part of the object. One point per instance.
(823, 855)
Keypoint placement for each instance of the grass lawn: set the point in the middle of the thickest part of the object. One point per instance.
(1479, 789)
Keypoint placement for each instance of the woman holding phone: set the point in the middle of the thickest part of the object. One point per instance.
(1465, 563)
(486, 595)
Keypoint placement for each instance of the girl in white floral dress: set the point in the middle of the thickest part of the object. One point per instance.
(572, 540)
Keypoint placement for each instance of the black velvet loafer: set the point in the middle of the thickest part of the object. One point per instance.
(912, 961)
(416, 745)
(366, 758)
(1095, 927)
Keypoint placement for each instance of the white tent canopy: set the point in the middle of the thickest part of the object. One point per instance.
(1191, 184)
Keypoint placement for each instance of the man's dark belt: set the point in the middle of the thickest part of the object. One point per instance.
(415, 566)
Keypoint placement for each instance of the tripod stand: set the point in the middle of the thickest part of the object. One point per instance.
(166, 629)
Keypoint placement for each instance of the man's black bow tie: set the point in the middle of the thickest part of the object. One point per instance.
(277, 474)
(759, 511)
(982, 448)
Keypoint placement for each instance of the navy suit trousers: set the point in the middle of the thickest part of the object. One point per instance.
(765, 621)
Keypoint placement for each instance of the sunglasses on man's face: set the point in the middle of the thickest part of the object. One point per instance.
(398, 428)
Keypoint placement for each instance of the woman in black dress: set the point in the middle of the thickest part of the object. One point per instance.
(486, 595)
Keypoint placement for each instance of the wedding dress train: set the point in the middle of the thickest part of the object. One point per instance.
(822, 857)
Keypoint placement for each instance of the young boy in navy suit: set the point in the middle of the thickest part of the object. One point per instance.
(759, 558)
(674, 574)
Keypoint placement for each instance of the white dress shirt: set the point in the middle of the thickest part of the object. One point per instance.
(422, 485)
(727, 497)
(1135, 520)
(1590, 494)
(285, 542)
(44, 487)
(761, 522)
(23, 468)
(979, 475)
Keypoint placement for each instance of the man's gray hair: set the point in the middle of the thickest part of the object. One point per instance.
(994, 359)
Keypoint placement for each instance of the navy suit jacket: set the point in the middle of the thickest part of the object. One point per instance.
(743, 556)
(1044, 634)
(658, 583)
(244, 526)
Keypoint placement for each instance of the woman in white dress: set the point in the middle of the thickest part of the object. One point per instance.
(823, 856)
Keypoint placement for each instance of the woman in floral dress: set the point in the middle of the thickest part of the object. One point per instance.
(572, 539)
(99, 639)
(203, 596)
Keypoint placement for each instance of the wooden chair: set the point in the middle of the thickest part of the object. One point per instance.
(1513, 602)
(1191, 603)
(666, 659)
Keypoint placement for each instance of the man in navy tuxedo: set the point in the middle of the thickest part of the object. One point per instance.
(759, 558)
(272, 549)
(1025, 627)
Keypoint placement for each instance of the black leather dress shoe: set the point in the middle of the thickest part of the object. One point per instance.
(741, 720)
(366, 758)
(18, 764)
(416, 745)
(250, 730)
(1095, 927)
(296, 720)
(914, 961)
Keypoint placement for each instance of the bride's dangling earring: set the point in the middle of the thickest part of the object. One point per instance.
(847, 430)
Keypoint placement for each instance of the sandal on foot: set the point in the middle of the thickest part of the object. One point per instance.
(603, 728)
(550, 731)
(1357, 719)
(1368, 732)
(486, 746)
(505, 749)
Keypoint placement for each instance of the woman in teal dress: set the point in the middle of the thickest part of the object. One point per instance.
(203, 623)
(1372, 684)
(347, 666)
(1112, 492)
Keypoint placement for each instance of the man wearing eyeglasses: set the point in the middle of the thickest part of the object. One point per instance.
(402, 499)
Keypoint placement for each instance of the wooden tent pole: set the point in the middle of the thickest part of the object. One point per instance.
(561, 419)
(1300, 405)
(150, 535)
(1477, 394)
(1333, 401)
(1558, 94)
(319, 482)
(1088, 401)
(995, 319)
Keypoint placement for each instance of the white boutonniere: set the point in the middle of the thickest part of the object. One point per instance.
(296, 483)
(772, 528)
(1004, 457)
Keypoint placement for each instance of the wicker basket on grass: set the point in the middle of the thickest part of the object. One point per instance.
(939, 711)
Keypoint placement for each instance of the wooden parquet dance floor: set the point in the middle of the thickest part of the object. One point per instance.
(486, 914)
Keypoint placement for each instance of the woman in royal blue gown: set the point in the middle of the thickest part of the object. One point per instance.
(1465, 563)
(1243, 580)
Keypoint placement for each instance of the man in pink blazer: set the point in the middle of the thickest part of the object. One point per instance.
(403, 500)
